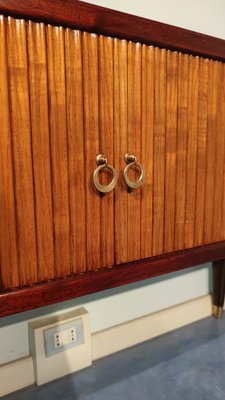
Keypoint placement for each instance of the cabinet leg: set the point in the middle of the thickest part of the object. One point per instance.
(218, 288)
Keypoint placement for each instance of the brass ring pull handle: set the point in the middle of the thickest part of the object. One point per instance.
(102, 161)
(131, 160)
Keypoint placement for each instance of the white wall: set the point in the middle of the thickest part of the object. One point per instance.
(115, 306)
(206, 16)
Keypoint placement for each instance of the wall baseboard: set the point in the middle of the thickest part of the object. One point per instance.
(118, 338)
(20, 373)
(16, 375)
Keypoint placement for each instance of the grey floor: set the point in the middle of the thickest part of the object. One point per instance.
(187, 364)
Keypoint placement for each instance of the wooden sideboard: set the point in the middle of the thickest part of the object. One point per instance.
(79, 80)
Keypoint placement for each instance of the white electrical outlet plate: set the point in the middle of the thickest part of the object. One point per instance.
(74, 351)
(64, 336)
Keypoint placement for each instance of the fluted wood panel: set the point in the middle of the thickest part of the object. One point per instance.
(75, 128)
(159, 135)
(8, 234)
(201, 150)
(38, 87)
(106, 146)
(67, 96)
(20, 121)
(181, 156)
(120, 147)
(147, 121)
(134, 147)
(170, 150)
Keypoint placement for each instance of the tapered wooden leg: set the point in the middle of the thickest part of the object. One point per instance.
(218, 288)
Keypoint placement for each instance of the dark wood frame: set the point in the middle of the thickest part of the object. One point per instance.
(39, 295)
(84, 16)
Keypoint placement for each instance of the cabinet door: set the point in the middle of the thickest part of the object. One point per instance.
(56, 116)
(168, 112)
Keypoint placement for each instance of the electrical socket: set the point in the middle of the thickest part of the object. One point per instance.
(63, 337)
(72, 334)
(57, 340)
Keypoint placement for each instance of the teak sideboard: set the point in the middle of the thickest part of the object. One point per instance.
(80, 87)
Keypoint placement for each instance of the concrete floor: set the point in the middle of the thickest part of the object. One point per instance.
(187, 364)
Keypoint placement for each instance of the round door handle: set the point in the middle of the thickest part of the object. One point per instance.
(131, 161)
(102, 161)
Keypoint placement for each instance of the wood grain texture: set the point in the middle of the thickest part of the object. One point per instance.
(106, 146)
(201, 151)
(68, 95)
(14, 301)
(75, 127)
(38, 94)
(192, 121)
(120, 147)
(22, 154)
(159, 151)
(92, 18)
(170, 150)
(218, 229)
(134, 147)
(212, 113)
(147, 119)
(91, 150)
(59, 148)
(223, 201)
(182, 137)
(8, 238)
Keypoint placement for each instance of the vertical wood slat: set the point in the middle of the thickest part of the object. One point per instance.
(201, 151)
(222, 232)
(134, 147)
(148, 60)
(218, 229)
(22, 155)
(120, 147)
(212, 113)
(171, 151)
(106, 146)
(74, 101)
(159, 151)
(182, 135)
(41, 148)
(59, 150)
(9, 276)
(191, 152)
(91, 139)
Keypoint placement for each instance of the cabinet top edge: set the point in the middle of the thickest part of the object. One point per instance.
(91, 18)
